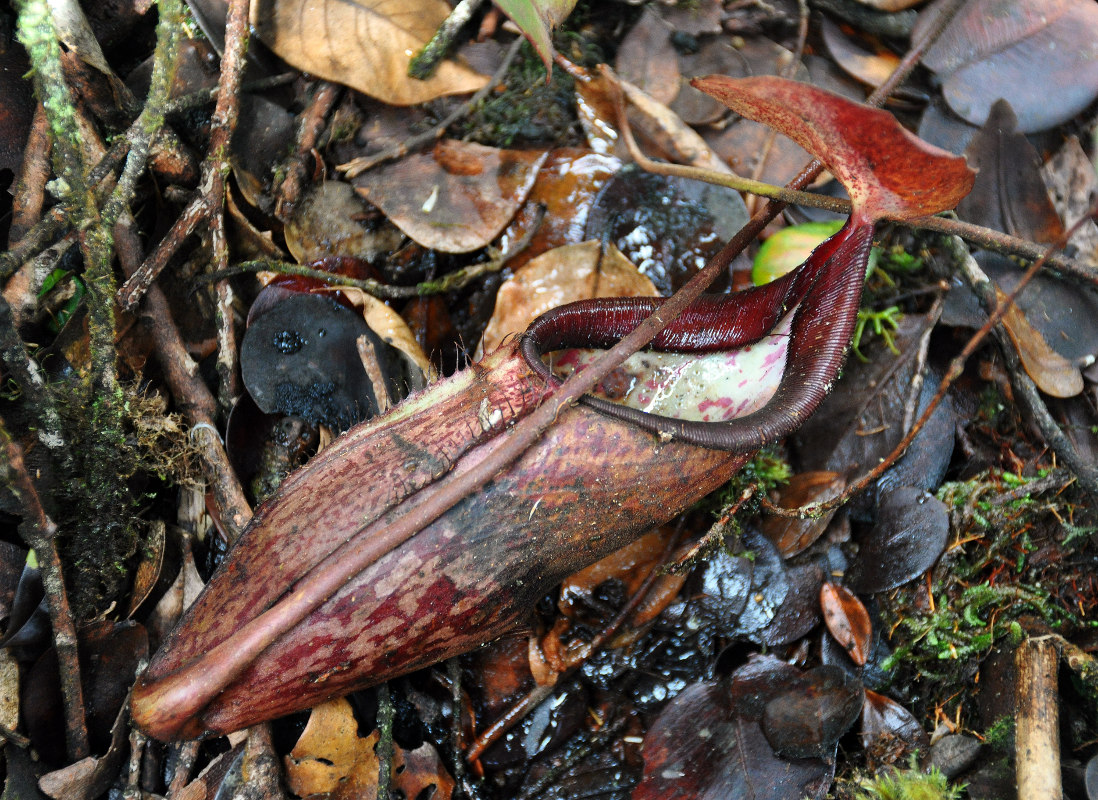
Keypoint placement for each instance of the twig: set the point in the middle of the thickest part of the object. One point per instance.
(39, 532)
(357, 166)
(426, 61)
(1037, 729)
(384, 747)
(451, 282)
(189, 391)
(309, 130)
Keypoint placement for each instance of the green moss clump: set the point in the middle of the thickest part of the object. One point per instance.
(907, 784)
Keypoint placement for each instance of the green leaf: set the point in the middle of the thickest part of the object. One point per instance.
(536, 19)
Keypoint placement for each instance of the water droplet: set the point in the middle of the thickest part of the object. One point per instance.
(288, 342)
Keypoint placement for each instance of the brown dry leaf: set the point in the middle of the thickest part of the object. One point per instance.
(325, 223)
(1053, 374)
(872, 67)
(364, 44)
(330, 757)
(393, 330)
(659, 130)
(563, 275)
(848, 621)
(792, 535)
(455, 198)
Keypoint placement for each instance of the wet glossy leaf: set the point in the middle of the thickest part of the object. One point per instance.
(745, 594)
(911, 532)
(886, 170)
(1092, 778)
(1016, 50)
(794, 535)
(567, 185)
(807, 719)
(1053, 374)
(799, 614)
(364, 44)
(574, 272)
(886, 723)
(456, 197)
(1009, 194)
(668, 226)
(699, 748)
(847, 620)
(536, 19)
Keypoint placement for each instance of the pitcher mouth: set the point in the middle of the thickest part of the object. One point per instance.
(820, 300)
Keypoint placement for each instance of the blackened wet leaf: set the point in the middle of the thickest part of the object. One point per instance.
(872, 674)
(700, 749)
(542, 730)
(1016, 49)
(792, 535)
(1092, 778)
(745, 594)
(911, 532)
(669, 227)
(806, 720)
(301, 359)
(758, 682)
(110, 655)
(456, 197)
(862, 419)
(886, 723)
(847, 620)
(1009, 194)
(799, 614)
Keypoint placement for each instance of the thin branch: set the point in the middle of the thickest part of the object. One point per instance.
(39, 532)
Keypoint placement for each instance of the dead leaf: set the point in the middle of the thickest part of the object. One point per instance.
(330, 756)
(872, 67)
(456, 197)
(1053, 374)
(1009, 194)
(659, 131)
(911, 532)
(364, 44)
(1071, 182)
(848, 621)
(716, 56)
(567, 187)
(647, 59)
(1017, 50)
(886, 723)
(563, 275)
(327, 222)
(792, 535)
(152, 561)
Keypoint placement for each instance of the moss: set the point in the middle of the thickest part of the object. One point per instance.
(907, 784)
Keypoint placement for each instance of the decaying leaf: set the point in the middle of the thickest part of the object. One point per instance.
(848, 621)
(1008, 194)
(364, 44)
(326, 223)
(1016, 50)
(794, 535)
(911, 533)
(456, 197)
(563, 275)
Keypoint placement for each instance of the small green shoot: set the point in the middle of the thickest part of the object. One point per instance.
(881, 323)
